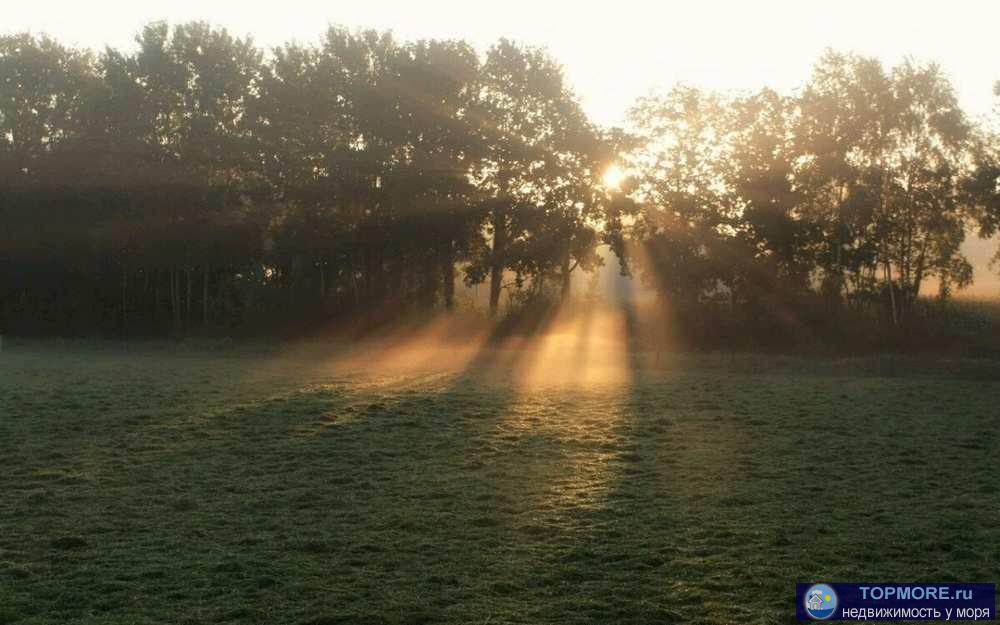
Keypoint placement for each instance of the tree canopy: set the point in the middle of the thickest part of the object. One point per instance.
(200, 183)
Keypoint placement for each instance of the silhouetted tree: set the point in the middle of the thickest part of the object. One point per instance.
(197, 183)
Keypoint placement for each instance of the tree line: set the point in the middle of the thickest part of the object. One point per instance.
(198, 183)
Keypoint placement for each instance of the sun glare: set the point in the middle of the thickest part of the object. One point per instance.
(613, 177)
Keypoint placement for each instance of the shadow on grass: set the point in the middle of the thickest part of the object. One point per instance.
(464, 498)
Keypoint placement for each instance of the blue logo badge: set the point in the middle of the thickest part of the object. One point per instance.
(820, 602)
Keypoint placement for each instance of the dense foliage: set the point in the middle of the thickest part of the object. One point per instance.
(198, 183)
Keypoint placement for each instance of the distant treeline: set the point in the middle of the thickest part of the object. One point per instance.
(199, 184)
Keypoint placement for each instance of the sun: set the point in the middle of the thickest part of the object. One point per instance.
(613, 177)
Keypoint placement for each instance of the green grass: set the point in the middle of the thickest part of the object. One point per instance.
(162, 486)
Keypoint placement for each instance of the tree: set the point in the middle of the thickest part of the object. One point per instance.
(686, 205)
(45, 89)
(775, 244)
(885, 151)
(537, 171)
(982, 186)
(197, 181)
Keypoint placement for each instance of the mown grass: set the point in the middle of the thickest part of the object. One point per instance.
(190, 487)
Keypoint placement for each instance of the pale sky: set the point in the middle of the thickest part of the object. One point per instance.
(612, 51)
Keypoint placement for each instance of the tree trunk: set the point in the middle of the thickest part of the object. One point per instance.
(156, 295)
(497, 258)
(322, 282)
(892, 292)
(220, 297)
(354, 282)
(369, 281)
(567, 275)
(293, 278)
(918, 277)
(204, 297)
(187, 321)
(175, 299)
(145, 290)
(448, 277)
(124, 300)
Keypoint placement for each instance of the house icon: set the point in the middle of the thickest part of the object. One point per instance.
(815, 600)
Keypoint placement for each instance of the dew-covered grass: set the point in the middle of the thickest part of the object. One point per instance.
(157, 486)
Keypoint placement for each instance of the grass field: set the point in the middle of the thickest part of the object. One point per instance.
(162, 486)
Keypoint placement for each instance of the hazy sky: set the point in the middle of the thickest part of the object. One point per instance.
(613, 50)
